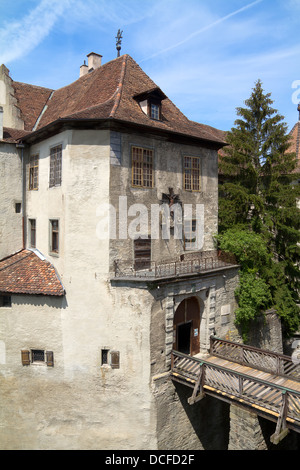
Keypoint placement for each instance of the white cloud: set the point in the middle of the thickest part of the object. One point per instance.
(201, 30)
(19, 37)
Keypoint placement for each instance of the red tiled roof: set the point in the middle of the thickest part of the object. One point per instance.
(12, 136)
(26, 273)
(109, 92)
(31, 100)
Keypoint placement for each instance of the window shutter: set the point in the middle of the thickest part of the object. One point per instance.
(49, 358)
(115, 359)
(25, 356)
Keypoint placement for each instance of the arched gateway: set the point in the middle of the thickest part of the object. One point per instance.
(186, 327)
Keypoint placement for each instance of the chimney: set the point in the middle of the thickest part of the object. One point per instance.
(94, 61)
(83, 69)
(1, 123)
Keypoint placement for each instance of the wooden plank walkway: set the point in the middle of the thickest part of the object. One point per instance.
(274, 396)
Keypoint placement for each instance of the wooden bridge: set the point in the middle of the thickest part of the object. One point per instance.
(265, 382)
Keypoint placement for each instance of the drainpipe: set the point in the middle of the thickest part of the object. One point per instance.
(22, 146)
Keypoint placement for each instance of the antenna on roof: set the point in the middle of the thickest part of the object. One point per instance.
(118, 43)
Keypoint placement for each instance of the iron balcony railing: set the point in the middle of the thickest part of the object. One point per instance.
(199, 262)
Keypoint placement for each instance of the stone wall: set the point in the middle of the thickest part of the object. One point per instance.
(245, 430)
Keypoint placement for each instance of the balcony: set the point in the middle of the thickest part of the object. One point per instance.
(185, 266)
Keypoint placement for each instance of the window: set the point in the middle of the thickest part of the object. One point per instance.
(34, 172)
(54, 236)
(192, 173)
(104, 356)
(190, 227)
(37, 356)
(155, 111)
(55, 166)
(110, 358)
(142, 253)
(18, 207)
(32, 233)
(5, 300)
(151, 102)
(142, 167)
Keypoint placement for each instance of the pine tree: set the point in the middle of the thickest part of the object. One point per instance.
(258, 194)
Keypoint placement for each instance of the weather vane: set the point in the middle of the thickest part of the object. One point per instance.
(118, 43)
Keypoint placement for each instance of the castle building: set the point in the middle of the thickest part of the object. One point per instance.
(109, 207)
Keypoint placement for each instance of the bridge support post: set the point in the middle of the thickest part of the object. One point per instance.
(281, 429)
(198, 393)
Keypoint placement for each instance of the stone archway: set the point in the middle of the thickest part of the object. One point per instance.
(186, 327)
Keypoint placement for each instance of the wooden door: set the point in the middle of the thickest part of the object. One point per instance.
(187, 327)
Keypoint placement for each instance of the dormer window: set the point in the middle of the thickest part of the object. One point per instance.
(150, 103)
(155, 111)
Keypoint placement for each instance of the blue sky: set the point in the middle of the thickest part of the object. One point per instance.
(206, 55)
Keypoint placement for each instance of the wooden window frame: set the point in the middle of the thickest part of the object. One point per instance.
(142, 175)
(33, 180)
(156, 115)
(28, 357)
(192, 173)
(32, 233)
(110, 358)
(54, 237)
(55, 177)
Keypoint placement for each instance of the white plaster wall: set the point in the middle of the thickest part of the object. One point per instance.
(77, 404)
(10, 193)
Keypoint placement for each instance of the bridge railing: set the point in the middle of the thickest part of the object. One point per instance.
(206, 377)
(261, 359)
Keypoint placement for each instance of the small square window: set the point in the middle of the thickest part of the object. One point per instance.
(104, 356)
(5, 300)
(18, 207)
(37, 355)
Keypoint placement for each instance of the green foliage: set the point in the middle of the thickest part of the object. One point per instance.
(259, 220)
(253, 295)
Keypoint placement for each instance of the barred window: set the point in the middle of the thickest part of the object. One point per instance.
(142, 167)
(37, 356)
(34, 172)
(55, 166)
(192, 173)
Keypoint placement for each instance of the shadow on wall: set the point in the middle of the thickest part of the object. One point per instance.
(290, 442)
(41, 300)
(209, 418)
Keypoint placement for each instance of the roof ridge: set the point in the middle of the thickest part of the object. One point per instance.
(120, 86)
(34, 86)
